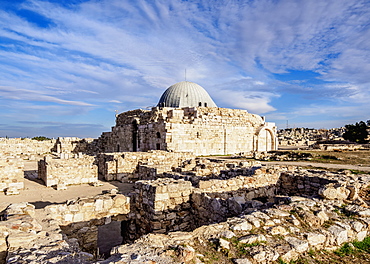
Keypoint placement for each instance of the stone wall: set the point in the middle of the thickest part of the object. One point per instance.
(202, 130)
(26, 146)
(123, 166)
(215, 200)
(311, 210)
(86, 209)
(79, 219)
(160, 206)
(76, 145)
(11, 175)
(62, 172)
(328, 185)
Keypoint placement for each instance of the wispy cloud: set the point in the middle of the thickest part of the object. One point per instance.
(97, 53)
(27, 95)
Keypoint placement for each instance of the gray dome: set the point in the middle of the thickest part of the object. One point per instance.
(186, 94)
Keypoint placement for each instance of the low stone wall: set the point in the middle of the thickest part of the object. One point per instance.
(11, 175)
(62, 172)
(160, 206)
(79, 219)
(86, 209)
(10, 147)
(123, 166)
(259, 177)
(23, 239)
(26, 146)
(328, 185)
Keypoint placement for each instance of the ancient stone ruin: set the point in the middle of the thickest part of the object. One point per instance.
(282, 210)
(179, 208)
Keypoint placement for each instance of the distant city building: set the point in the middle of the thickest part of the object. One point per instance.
(308, 136)
(187, 119)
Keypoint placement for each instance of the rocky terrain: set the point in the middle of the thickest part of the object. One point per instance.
(302, 211)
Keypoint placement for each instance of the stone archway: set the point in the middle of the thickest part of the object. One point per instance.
(266, 140)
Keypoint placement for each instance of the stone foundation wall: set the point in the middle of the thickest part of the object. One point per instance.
(62, 172)
(215, 200)
(11, 174)
(123, 166)
(79, 219)
(293, 183)
(160, 206)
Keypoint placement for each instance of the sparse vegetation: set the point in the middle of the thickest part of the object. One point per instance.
(345, 157)
(41, 138)
(357, 132)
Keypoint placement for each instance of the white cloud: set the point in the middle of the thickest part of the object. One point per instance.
(128, 52)
(28, 95)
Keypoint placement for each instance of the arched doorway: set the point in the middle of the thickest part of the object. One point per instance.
(265, 140)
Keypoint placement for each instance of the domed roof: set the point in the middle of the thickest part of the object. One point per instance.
(185, 94)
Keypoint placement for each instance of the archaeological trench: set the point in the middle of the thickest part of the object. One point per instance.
(179, 205)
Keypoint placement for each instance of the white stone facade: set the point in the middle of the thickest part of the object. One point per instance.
(201, 130)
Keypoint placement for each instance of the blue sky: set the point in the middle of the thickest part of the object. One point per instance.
(66, 66)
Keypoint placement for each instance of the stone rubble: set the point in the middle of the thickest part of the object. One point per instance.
(266, 212)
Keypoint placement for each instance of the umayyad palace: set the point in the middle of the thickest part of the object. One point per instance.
(187, 119)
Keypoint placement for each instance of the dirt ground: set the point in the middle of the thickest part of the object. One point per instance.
(36, 193)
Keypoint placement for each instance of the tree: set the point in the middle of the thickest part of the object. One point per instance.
(357, 133)
(40, 138)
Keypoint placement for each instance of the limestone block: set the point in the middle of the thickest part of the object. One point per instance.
(121, 200)
(11, 191)
(79, 217)
(332, 192)
(99, 205)
(243, 226)
(278, 230)
(315, 239)
(107, 204)
(242, 261)
(340, 234)
(253, 220)
(297, 244)
(361, 235)
(17, 240)
(252, 239)
(224, 243)
(68, 217)
(162, 196)
(357, 226)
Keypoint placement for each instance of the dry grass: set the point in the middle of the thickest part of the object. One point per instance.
(360, 157)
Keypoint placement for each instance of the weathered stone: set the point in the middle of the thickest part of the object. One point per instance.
(242, 261)
(315, 239)
(297, 244)
(278, 230)
(340, 234)
(252, 239)
(332, 192)
(224, 243)
(243, 226)
(186, 253)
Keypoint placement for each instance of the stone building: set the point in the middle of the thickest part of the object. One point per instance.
(187, 119)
